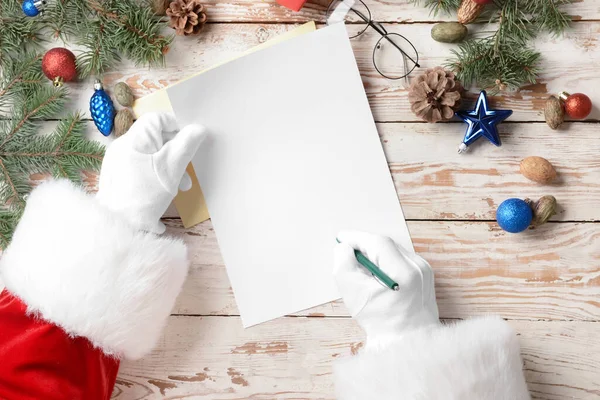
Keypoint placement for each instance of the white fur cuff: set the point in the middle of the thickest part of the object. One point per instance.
(477, 359)
(79, 266)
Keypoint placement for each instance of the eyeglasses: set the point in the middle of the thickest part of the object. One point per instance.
(394, 56)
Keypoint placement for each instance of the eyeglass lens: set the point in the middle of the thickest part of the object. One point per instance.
(354, 12)
(392, 63)
(394, 56)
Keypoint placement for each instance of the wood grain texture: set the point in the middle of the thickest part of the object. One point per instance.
(573, 68)
(552, 272)
(213, 358)
(434, 182)
(400, 11)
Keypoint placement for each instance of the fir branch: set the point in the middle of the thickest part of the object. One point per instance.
(65, 154)
(513, 25)
(64, 150)
(106, 29)
(16, 31)
(478, 62)
(19, 77)
(44, 104)
(18, 73)
(505, 60)
(8, 222)
(10, 193)
(547, 15)
(28, 99)
(100, 54)
(63, 18)
(141, 38)
(121, 27)
(68, 131)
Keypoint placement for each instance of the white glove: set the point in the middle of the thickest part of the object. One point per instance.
(143, 169)
(384, 314)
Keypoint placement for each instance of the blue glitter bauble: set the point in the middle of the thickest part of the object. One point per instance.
(102, 110)
(514, 215)
(30, 8)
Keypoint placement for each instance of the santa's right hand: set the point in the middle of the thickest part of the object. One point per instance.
(382, 312)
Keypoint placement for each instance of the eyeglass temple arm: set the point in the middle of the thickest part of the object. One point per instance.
(384, 34)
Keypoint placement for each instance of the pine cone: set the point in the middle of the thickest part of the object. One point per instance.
(468, 11)
(187, 17)
(435, 95)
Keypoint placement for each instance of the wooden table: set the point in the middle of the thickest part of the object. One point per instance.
(545, 281)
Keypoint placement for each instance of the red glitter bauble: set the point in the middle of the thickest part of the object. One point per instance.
(483, 1)
(58, 65)
(578, 106)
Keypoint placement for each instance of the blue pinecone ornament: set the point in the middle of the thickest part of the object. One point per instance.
(102, 110)
(32, 8)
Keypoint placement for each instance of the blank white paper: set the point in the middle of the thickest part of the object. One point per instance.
(293, 156)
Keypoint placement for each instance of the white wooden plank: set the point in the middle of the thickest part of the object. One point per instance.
(214, 358)
(435, 182)
(552, 272)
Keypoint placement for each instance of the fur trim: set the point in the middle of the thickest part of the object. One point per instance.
(477, 359)
(83, 268)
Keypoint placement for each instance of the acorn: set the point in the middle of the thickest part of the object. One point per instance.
(538, 169)
(554, 112)
(123, 94)
(123, 121)
(542, 209)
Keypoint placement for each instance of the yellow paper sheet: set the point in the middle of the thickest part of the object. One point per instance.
(190, 204)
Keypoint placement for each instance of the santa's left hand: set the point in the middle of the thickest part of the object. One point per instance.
(143, 169)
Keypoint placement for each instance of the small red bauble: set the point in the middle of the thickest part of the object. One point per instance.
(577, 105)
(483, 1)
(58, 65)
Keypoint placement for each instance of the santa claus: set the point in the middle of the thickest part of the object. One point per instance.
(89, 281)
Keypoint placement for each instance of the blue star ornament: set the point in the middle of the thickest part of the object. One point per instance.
(482, 122)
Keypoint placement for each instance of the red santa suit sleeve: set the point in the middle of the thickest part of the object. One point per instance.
(83, 290)
(477, 359)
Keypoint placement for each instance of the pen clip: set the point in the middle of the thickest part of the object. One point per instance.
(380, 282)
(396, 287)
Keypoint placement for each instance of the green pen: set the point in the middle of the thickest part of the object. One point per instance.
(374, 269)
